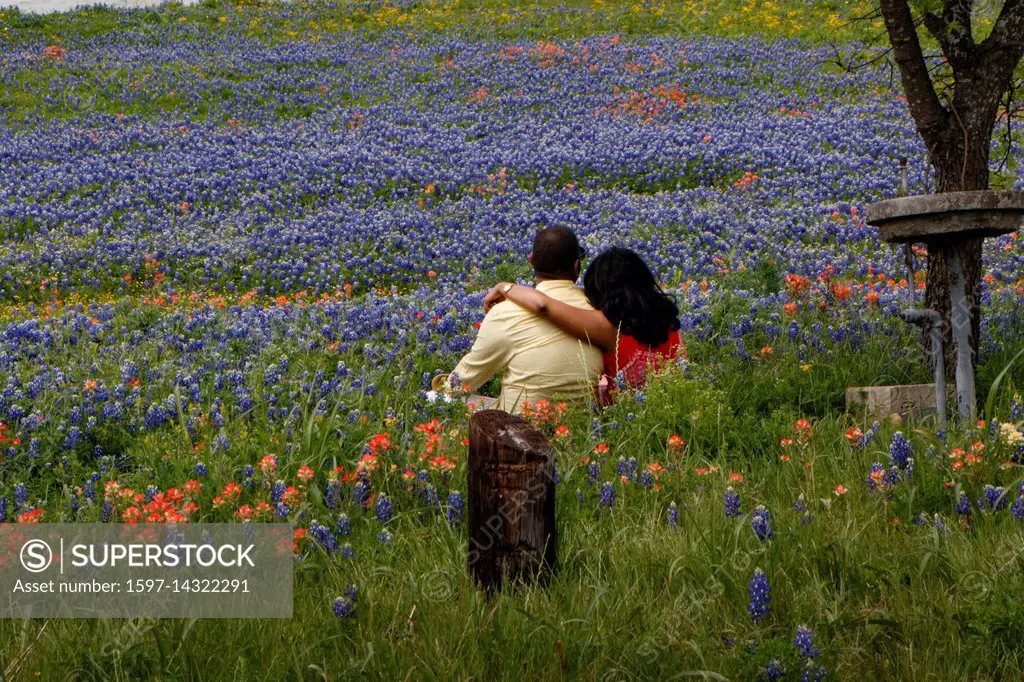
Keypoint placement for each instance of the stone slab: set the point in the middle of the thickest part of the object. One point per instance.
(964, 214)
(880, 402)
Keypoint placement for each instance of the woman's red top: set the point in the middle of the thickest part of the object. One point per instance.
(635, 360)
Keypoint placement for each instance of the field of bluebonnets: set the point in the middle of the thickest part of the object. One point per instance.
(239, 240)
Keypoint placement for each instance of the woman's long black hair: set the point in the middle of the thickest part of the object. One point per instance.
(620, 285)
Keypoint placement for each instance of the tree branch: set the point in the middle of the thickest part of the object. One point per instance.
(1008, 31)
(958, 15)
(931, 118)
(1003, 50)
(952, 29)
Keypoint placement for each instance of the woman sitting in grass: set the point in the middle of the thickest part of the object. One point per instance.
(635, 324)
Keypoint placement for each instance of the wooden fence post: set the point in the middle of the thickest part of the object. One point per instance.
(511, 500)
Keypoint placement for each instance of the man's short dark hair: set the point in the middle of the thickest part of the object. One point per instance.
(555, 252)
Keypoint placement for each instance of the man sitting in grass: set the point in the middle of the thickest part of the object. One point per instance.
(540, 360)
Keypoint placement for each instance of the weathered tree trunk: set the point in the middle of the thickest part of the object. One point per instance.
(953, 174)
(511, 512)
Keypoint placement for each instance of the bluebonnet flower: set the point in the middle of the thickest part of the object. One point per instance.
(383, 510)
(456, 508)
(813, 672)
(361, 491)
(156, 416)
(939, 524)
(645, 479)
(593, 471)
(430, 497)
(129, 371)
(106, 511)
(1018, 508)
(332, 494)
(1016, 408)
(921, 519)
(607, 498)
(580, 497)
(732, 502)
(71, 440)
(3, 509)
(347, 552)
(673, 515)
(760, 596)
(627, 467)
(277, 491)
(963, 505)
(774, 671)
(385, 537)
(899, 451)
(994, 498)
(200, 469)
(800, 503)
(343, 525)
(20, 495)
(323, 537)
(804, 642)
(869, 437)
(345, 605)
(761, 522)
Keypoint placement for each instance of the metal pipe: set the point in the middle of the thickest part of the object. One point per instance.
(934, 321)
(960, 317)
(908, 258)
(908, 253)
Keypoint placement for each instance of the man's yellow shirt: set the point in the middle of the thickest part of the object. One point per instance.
(540, 360)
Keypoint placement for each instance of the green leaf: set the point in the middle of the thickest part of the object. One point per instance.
(993, 391)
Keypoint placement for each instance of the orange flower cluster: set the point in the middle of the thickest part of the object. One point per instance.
(259, 512)
(435, 445)
(797, 284)
(229, 495)
(547, 53)
(32, 516)
(171, 506)
(543, 412)
(969, 458)
(55, 52)
(510, 52)
(5, 439)
(652, 103)
(749, 178)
